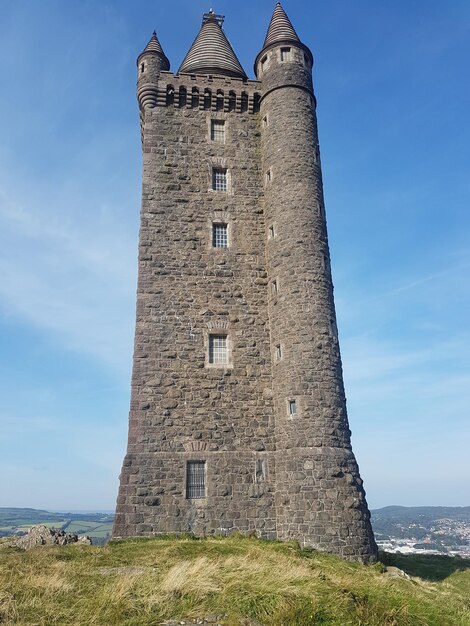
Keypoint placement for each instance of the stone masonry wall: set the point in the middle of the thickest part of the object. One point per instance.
(181, 408)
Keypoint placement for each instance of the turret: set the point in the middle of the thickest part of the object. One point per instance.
(150, 62)
(319, 495)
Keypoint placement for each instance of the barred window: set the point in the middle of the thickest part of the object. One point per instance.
(195, 479)
(218, 131)
(219, 179)
(286, 54)
(292, 407)
(219, 236)
(218, 349)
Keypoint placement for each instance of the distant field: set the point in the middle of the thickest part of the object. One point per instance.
(97, 526)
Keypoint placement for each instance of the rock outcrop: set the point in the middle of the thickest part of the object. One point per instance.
(44, 536)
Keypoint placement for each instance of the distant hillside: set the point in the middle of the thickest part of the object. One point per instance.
(98, 526)
(424, 528)
(235, 581)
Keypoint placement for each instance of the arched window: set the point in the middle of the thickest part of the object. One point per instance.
(207, 99)
(183, 99)
(256, 101)
(244, 102)
(195, 98)
(170, 96)
(219, 103)
(232, 101)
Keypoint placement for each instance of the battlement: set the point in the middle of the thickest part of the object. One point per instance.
(208, 93)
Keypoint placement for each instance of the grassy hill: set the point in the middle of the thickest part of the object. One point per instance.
(147, 581)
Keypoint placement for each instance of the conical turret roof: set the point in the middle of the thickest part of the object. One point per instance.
(211, 52)
(280, 28)
(154, 46)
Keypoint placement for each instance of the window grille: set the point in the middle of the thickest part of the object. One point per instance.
(195, 479)
(218, 349)
(218, 131)
(219, 179)
(292, 407)
(219, 236)
(285, 54)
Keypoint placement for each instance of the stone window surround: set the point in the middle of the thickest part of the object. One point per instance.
(201, 493)
(219, 163)
(261, 470)
(216, 118)
(288, 407)
(220, 235)
(195, 456)
(218, 328)
(272, 231)
(220, 217)
(274, 287)
(285, 54)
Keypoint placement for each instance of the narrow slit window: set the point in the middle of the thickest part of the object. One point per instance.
(142, 68)
(260, 470)
(218, 349)
(219, 236)
(219, 179)
(195, 480)
(265, 121)
(264, 63)
(274, 287)
(292, 407)
(269, 176)
(278, 352)
(271, 232)
(286, 54)
(218, 131)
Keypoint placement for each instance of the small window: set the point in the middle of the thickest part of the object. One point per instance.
(271, 232)
(142, 68)
(292, 407)
(195, 480)
(278, 352)
(265, 121)
(286, 54)
(218, 349)
(264, 63)
(218, 131)
(260, 471)
(219, 179)
(269, 176)
(219, 235)
(274, 287)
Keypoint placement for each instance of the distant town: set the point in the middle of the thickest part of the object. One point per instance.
(398, 529)
(423, 530)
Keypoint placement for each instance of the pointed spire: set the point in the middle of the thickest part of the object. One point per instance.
(211, 52)
(280, 28)
(155, 47)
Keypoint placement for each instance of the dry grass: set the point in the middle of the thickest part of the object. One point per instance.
(143, 582)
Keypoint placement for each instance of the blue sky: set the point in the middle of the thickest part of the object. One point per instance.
(391, 80)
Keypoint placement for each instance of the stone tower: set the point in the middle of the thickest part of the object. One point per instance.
(238, 414)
